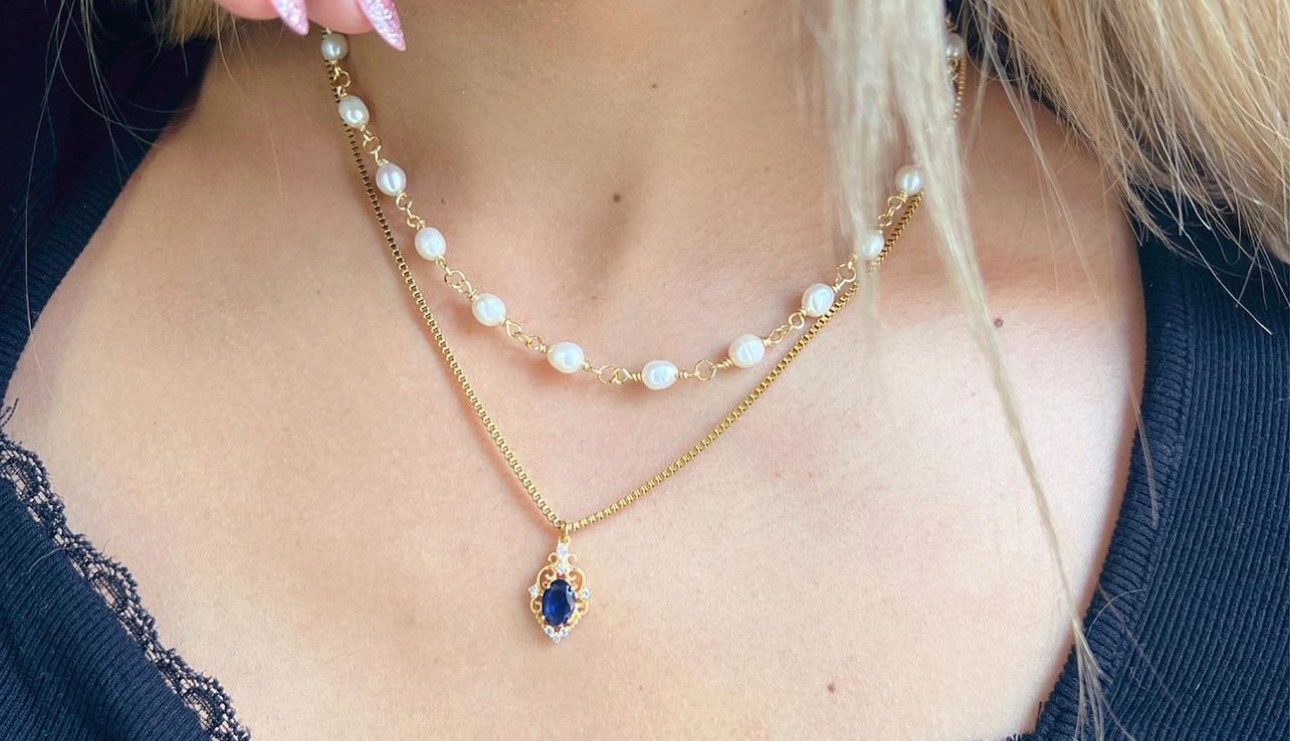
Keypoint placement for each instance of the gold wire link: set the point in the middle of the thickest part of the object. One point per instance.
(894, 205)
(956, 79)
(457, 281)
(613, 375)
(704, 370)
(846, 274)
(372, 145)
(796, 320)
(403, 202)
(516, 332)
(339, 78)
(567, 527)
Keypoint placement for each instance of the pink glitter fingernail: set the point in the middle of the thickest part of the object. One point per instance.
(385, 19)
(292, 13)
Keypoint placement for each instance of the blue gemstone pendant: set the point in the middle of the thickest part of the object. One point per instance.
(559, 596)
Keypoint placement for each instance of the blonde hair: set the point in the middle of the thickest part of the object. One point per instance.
(1180, 97)
(1186, 98)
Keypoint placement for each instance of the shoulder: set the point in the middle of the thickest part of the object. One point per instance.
(84, 119)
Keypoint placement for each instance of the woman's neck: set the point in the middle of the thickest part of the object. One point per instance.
(607, 129)
(598, 93)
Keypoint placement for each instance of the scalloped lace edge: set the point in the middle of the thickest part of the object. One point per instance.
(201, 693)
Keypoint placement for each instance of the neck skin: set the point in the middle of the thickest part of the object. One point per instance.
(617, 137)
(547, 111)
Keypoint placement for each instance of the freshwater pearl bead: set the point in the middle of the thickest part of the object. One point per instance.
(955, 47)
(488, 310)
(430, 243)
(353, 111)
(658, 374)
(869, 246)
(747, 350)
(817, 299)
(565, 357)
(334, 47)
(910, 180)
(391, 179)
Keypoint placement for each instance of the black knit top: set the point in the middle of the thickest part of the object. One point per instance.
(1190, 623)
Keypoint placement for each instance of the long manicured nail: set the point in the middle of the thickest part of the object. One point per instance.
(385, 19)
(293, 15)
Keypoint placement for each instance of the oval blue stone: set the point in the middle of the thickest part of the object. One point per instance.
(558, 603)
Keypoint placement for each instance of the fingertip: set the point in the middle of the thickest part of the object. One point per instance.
(385, 19)
(293, 15)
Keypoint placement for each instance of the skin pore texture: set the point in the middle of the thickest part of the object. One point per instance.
(236, 398)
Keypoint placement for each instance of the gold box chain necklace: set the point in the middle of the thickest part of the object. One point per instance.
(559, 596)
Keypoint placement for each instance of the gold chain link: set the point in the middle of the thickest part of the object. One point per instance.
(900, 210)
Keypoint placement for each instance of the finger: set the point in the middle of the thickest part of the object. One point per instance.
(385, 19)
(344, 16)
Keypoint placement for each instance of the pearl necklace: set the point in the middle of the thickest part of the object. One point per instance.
(567, 357)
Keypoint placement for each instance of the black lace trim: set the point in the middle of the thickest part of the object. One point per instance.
(203, 694)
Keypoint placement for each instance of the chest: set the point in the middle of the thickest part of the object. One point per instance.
(329, 532)
(316, 518)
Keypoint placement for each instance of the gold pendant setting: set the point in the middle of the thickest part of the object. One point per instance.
(559, 596)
